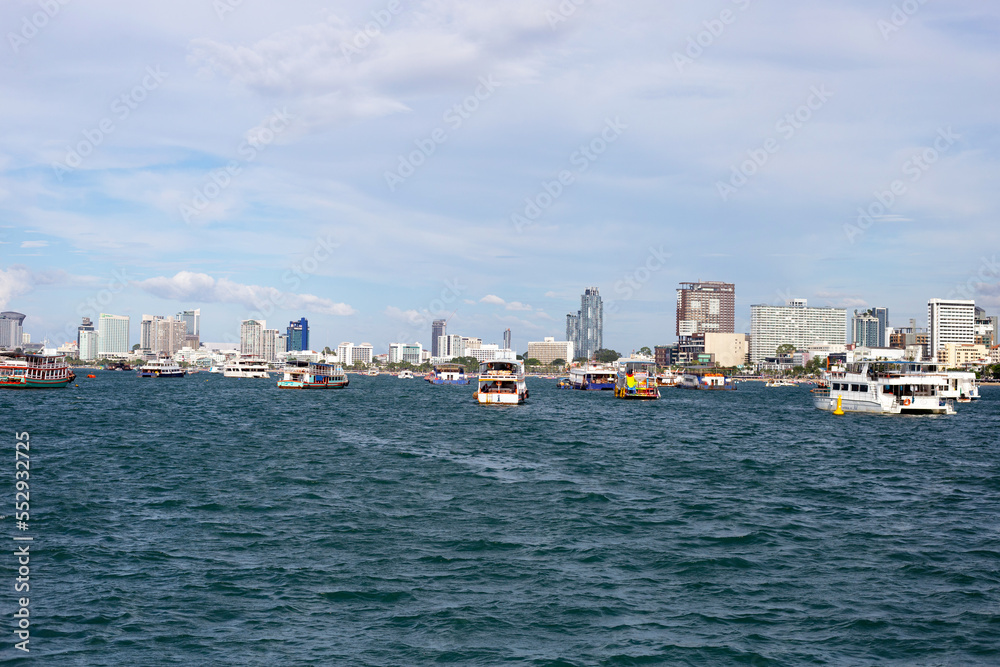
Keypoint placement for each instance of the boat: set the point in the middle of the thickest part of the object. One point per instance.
(161, 368)
(246, 367)
(668, 379)
(313, 375)
(962, 386)
(597, 377)
(447, 374)
(215, 369)
(34, 371)
(564, 383)
(779, 383)
(886, 387)
(405, 374)
(501, 382)
(637, 380)
(371, 372)
(710, 381)
(117, 366)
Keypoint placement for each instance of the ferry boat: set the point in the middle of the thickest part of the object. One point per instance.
(312, 375)
(34, 371)
(371, 372)
(448, 374)
(779, 383)
(593, 378)
(710, 381)
(962, 386)
(502, 382)
(668, 379)
(637, 380)
(117, 366)
(161, 368)
(405, 374)
(886, 387)
(246, 367)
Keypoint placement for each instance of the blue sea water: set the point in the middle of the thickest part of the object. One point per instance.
(208, 520)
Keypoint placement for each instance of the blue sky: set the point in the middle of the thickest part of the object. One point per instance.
(375, 165)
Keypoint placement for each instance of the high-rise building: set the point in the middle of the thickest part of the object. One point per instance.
(113, 335)
(270, 347)
(507, 341)
(438, 328)
(793, 324)
(706, 307)
(586, 329)
(549, 350)
(986, 328)
(86, 325)
(252, 338)
(11, 329)
(950, 321)
(192, 318)
(298, 336)
(406, 352)
(88, 344)
(870, 328)
(350, 354)
(162, 336)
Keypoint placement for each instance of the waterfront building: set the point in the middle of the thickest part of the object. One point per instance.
(161, 336)
(350, 354)
(270, 345)
(986, 328)
(793, 324)
(727, 349)
(298, 336)
(586, 329)
(549, 350)
(192, 320)
(11, 324)
(507, 341)
(406, 353)
(252, 338)
(871, 327)
(438, 328)
(113, 335)
(665, 355)
(69, 348)
(950, 321)
(491, 352)
(88, 344)
(86, 325)
(25, 338)
(706, 307)
(958, 355)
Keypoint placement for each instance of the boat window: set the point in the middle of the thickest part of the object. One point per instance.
(863, 388)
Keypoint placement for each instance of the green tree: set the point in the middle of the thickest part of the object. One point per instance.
(532, 362)
(607, 356)
(580, 360)
(646, 351)
(558, 362)
(787, 348)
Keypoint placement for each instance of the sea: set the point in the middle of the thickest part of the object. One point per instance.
(214, 521)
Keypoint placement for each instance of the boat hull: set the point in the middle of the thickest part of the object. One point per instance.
(298, 384)
(639, 395)
(25, 383)
(463, 382)
(506, 398)
(158, 374)
(915, 407)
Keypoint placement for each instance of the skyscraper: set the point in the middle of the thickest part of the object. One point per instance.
(438, 328)
(950, 321)
(793, 324)
(706, 307)
(193, 320)
(252, 338)
(507, 341)
(586, 329)
(86, 325)
(113, 335)
(10, 329)
(298, 336)
(870, 328)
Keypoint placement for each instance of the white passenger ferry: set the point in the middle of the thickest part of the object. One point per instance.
(246, 367)
(312, 375)
(161, 368)
(886, 387)
(502, 382)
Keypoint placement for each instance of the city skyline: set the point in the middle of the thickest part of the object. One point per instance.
(479, 180)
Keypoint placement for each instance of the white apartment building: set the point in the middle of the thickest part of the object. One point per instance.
(795, 324)
(88, 345)
(270, 345)
(950, 321)
(491, 352)
(350, 354)
(252, 338)
(113, 336)
(549, 350)
(407, 352)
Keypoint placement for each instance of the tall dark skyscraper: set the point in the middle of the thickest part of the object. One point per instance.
(506, 339)
(438, 328)
(298, 336)
(586, 329)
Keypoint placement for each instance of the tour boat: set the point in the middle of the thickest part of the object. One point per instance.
(405, 374)
(598, 377)
(710, 381)
(34, 371)
(502, 382)
(448, 374)
(246, 367)
(637, 380)
(161, 368)
(668, 379)
(779, 383)
(886, 387)
(312, 375)
(962, 386)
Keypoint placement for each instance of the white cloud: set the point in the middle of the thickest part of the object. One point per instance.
(494, 299)
(409, 316)
(188, 286)
(517, 305)
(19, 280)
(34, 244)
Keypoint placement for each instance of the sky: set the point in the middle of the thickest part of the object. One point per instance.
(373, 166)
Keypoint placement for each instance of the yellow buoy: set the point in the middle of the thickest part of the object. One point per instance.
(839, 410)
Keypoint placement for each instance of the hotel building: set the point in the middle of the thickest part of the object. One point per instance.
(795, 324)
(950, 321)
